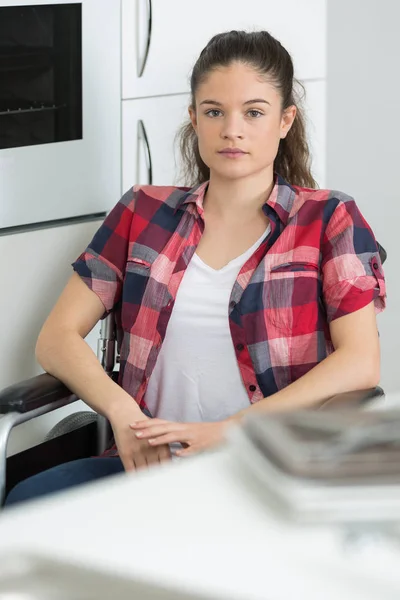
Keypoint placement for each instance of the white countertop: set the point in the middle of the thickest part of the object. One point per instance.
(193, 525)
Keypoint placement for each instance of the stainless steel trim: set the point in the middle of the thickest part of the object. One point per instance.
(141, 61)
(52, 224)
(9, 421)
(106, 354)
(106, 344)
(103, 433)
(142, 138)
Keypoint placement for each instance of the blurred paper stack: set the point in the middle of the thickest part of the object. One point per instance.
(324, 466)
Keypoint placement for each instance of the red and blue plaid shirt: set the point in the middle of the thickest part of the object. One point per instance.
(319, 262)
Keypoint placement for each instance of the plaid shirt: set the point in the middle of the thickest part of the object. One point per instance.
(319, 262)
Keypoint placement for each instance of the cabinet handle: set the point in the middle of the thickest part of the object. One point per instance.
(143, 139)
(141, 60)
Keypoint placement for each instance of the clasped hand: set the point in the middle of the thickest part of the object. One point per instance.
(194, 436)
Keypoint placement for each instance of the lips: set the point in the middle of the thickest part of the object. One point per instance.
(232, 151)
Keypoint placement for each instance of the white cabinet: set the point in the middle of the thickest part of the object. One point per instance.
(160, 61)
(149, 127)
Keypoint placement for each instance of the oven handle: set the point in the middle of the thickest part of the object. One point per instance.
(141, 61)
(143, 139)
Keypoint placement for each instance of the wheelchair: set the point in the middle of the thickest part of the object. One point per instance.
(89, 434)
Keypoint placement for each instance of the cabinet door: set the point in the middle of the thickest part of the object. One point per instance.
(315, 113)
(149, 151)
(161, 40)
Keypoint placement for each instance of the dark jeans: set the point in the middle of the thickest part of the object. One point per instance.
(64, 476)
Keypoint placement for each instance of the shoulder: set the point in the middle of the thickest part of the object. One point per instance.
(144, 201)
(323, 203)
(322, 196)
(155, 196)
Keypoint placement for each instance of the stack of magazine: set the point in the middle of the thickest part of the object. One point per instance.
(323, 466)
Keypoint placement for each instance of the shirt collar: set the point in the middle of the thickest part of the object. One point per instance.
(280, 200)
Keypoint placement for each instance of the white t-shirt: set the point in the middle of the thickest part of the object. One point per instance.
(196, 376)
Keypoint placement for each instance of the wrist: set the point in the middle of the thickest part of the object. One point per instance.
(236, 418)
(121, 405)
(226, 424)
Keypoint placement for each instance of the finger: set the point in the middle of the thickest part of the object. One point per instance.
(168, 438)
(147, 423)
(187, 451)
(164, 454)
(152, 456)
(157, 430)
(128, 463)
(140, 462)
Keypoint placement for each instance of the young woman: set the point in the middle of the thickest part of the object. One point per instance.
(250, 290)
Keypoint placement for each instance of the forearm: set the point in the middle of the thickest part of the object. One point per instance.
(343, 371)
(66, 356)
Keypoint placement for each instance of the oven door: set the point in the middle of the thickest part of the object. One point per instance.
(60, 104)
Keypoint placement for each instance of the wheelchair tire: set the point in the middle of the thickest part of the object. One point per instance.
(70, 423)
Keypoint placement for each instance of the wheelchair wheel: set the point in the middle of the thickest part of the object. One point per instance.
(71, 422)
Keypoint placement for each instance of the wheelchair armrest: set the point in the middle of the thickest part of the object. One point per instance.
(356, 399)
(33, 393)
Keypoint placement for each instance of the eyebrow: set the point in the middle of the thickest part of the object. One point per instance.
(253, 101)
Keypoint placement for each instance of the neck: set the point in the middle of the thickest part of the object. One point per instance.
(243, 198)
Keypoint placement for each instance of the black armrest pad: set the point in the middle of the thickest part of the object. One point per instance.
(32, 393)
(355, 399)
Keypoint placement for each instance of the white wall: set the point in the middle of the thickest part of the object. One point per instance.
(34, 269)
(363, 136)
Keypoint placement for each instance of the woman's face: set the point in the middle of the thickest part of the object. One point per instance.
(235, 108)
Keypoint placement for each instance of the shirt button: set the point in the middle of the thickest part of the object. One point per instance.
(232, 304)
(252, 388)
(375, 265)
(239, 347)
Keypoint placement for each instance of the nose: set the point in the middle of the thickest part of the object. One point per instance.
(232, 127)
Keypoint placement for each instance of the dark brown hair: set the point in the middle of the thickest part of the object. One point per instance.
(270, 59)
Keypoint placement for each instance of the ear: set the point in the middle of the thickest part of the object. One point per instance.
(288, 116)
(193, 117)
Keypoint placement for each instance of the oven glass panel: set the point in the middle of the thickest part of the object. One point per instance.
(40, 74)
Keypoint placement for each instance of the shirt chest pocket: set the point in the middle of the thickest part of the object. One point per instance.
(292, 297)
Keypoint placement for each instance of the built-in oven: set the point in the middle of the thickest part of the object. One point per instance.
(60, 103)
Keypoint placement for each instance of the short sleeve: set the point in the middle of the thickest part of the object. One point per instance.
(102, 265)
(352, 274)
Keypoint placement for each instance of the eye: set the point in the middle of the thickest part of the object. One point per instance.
(256, 113)
(213, 110)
